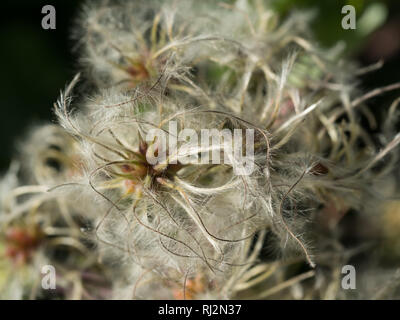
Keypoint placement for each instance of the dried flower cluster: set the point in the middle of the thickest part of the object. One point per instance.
(84, 197)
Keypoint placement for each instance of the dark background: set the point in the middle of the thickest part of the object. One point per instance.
(36, 63)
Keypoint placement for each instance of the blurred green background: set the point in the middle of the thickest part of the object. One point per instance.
(37, 63)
